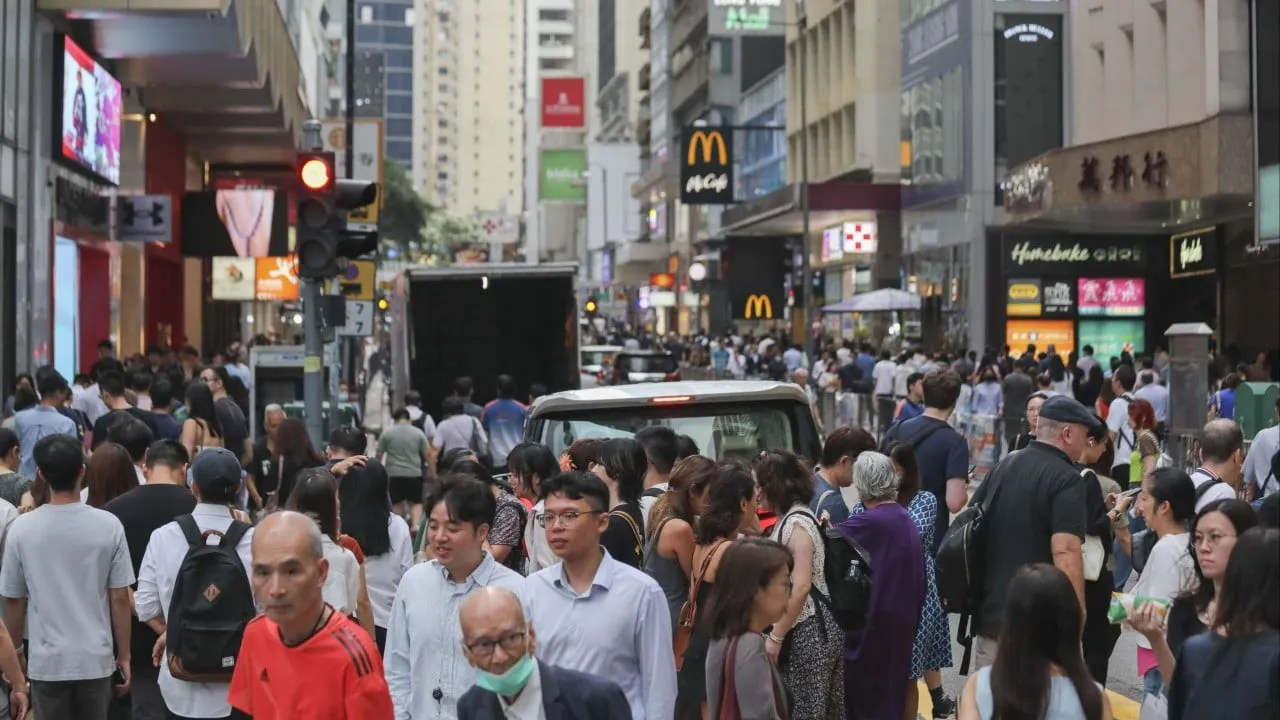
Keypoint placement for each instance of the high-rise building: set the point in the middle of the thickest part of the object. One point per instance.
(468, 108)
(387, 27)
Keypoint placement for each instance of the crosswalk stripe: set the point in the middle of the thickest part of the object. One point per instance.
(1122, 708)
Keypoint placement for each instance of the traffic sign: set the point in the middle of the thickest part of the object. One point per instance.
(359, 319)
(368, 159)
(357, 281)
(497, 228)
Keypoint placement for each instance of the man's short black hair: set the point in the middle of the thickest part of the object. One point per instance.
(162, 393)
(350, 440)
(60, 460)
(140, 381)
(846, 442)
(659, 444)
(221, 372)
(111, 383)
(577, 485)
(401, 414)
(463, 386)
(450, 406)
(168, 454)
(914, 378)
(132, 434)
(106, 345)
(506, 386)
(1087, 349)
(50, 384)
(685, 447)
(413, 397)
(537, 390)
(466, 499)
(8, 441)
(1125, 376)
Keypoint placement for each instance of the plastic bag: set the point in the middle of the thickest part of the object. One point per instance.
(1124, 605)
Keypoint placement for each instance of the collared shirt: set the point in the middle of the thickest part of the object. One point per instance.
(619, 630)
(529, 705)
(424, 639)
(35, 423)
(156, 578)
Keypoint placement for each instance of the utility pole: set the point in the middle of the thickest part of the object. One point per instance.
(806, 287)
(313, 344)
(350, 153)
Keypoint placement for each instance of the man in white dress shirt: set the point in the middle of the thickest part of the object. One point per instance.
(425, 665)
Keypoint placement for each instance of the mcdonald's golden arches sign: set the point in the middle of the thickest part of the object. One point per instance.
(706, 165)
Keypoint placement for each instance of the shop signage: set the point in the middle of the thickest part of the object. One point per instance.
(1112, 297)
(81, 207)
(756, 277)
(1072, 256)
(1061, 334)
(1193, 253)
(1024, 299)
(1058, 298)
(1109, 337)
(563, 175)
(860, 237)
(662, 281)
(706, 170)
(1155, 172)
(234, 278)
(746, 17)
(563, 101)
(758, 307)
(276, 278)
(832, 244)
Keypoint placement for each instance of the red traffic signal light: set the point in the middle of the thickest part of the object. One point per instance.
(316, 174)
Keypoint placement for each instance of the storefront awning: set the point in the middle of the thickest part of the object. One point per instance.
(781, 213)
(1197, 174)
(224, 72)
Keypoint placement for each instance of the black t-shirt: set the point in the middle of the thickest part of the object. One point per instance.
(262, 466)
(235, 429)
(625, 544)
(142, 511)
(941, 456)
(104, 423)
(1042, 494)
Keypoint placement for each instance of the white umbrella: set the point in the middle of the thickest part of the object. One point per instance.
(886, 300)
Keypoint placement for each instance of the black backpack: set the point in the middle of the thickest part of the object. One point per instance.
(890, 437)
(212, 602)
(847, 567)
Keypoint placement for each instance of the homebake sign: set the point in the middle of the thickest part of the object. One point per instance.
(1072, 256)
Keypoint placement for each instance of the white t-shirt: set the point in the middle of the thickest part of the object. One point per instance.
(883, 374)
(1168, 572)
(648, 501)
(1118, 423)
(342, 586)
(1220, 491)
(382, 573)
(1257, 463)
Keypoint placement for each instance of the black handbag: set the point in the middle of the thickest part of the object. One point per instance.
(484, 456)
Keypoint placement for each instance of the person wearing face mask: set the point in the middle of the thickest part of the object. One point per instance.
(510, 683)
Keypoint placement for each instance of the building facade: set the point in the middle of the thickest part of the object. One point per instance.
(386, 28)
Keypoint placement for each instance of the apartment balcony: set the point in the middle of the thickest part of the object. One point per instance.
(643, 80)
(688, 19)
(225, 72)
(646, 22)
(555, 52)
(690, 85)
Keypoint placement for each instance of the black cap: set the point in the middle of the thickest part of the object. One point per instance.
(1065, 409)
(215, 471)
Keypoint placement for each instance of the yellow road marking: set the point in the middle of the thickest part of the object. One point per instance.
(1122, 708)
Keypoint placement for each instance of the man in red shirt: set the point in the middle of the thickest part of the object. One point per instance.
(301, 658)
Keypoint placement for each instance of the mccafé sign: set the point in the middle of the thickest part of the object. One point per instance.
(1073, 255)
(1193, 253)
(706, 167)
(758, 307)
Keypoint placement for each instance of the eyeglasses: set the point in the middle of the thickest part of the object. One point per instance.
(511, 642)
(1211, 540)
(566, 518)
(207, 380)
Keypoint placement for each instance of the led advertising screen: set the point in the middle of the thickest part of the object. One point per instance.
(1112, 297)
(66, 306)
(1041, 333)
(1108, 337)
(91, 108)
(235, 223)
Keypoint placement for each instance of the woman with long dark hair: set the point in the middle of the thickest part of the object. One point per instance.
(751, 597)
(365, 511)
(109, 474)
(315, 493)
(806, 642)
(1039, 673)
(201, 428)
(1105, 529)
(1214, 533)
(621, 466)
(530, 465)
(1230, 671)
(294, 453)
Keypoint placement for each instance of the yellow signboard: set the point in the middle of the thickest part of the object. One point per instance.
(357, 281)
(709, 142)
(758, 306)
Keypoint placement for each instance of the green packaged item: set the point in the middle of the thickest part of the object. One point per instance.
(1123, 606)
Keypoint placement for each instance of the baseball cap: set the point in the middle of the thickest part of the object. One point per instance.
(215, 471)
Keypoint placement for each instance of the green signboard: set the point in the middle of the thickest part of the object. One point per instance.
(740, 17)
(1108, 337)
(563, 176)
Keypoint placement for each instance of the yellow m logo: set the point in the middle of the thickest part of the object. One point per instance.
(758, 306)
(709, 142)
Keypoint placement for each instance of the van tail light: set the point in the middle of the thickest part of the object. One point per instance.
(674, 375)
(671, 399)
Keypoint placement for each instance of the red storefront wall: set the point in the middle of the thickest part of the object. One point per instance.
(95, 303)
(163, 297)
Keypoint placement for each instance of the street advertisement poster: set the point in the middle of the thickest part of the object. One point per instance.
(91, 107)
(1112, 297)
(1024, 298)
(233, 278)
(1041, 333)
(240, 222)
(1108, 337)
(277, 279)
(563, 175)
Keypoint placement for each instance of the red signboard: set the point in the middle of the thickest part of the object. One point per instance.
(564, 102)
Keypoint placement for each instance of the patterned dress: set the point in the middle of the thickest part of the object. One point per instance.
(932, 650)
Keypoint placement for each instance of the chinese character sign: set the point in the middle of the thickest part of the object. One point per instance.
(1112, 297)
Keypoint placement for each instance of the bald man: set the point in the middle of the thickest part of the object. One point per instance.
(301, 658)
(510, 683)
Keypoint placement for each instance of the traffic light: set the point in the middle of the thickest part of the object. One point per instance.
(590, 306)
(316, 241)
(323, 204)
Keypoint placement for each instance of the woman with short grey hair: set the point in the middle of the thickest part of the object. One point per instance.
(877, 669)
(875, 478)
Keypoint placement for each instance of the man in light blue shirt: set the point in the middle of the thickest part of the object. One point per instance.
(594, 614)
(43, 420)
(424, 662)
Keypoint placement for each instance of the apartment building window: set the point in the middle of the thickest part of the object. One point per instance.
(401, 81)
(399, 58)
(553, 15)
(722, 56)
(366, 13)
(399, 127)
(933, 126)
(397, 35)
(399, 105)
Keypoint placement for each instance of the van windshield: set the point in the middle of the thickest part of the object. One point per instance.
(723, 432)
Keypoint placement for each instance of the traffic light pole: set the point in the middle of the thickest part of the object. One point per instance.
(313, 346)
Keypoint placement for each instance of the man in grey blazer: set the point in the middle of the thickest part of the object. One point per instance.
(510, 683)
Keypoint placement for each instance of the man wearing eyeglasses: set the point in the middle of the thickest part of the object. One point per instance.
(427, 669)
(499, 643)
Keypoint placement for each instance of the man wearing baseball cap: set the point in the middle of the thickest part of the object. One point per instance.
(1039, 516)
(216, 484)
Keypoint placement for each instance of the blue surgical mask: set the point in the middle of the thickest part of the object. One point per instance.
(509, 683)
